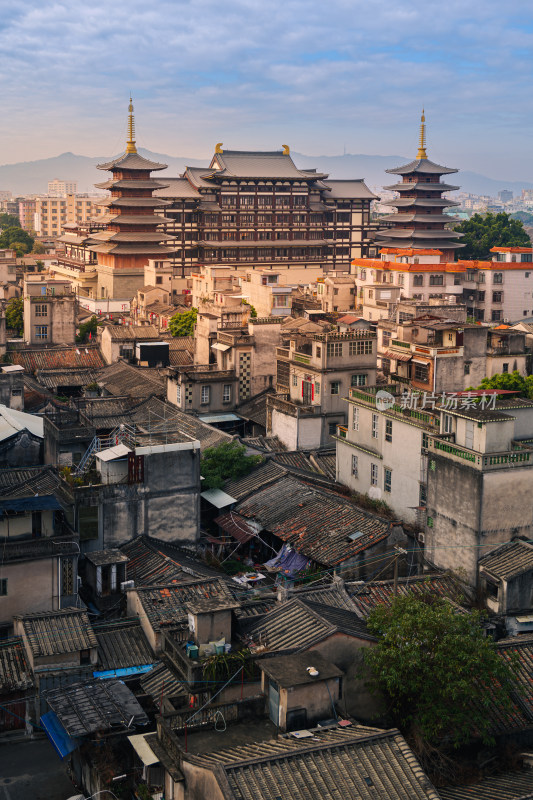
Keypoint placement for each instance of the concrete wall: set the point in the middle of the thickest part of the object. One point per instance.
(119, 283)
(32, 586)
(166, 506)
(12, 388)
(473, 512)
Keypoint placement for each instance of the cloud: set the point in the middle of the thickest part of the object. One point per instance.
(352, 71)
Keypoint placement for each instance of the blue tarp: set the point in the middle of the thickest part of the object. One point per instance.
(123, 672)
(288, 562)
(62, 742)
(35, 503)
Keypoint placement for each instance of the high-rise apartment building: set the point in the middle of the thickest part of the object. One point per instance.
(52, 213)
(58, 188)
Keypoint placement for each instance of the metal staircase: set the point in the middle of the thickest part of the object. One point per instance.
(124, 434)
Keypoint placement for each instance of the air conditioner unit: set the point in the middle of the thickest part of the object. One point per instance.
(421, 538)
(126, 585)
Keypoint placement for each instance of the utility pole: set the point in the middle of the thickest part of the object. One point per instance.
(399, 551)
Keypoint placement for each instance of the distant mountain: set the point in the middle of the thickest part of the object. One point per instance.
(29, 177)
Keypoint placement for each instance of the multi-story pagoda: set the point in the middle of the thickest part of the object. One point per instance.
(420, 222)
(131, 236)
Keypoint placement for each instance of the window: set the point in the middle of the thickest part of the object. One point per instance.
(158, 279)
(359, 380)
(388, 430)
(448, 423)
(375, 426)
(41, 311)
(85, 657)
(178, 394)
(467, 369)
(505, 367)
(418, 280)
(335, 387)
(67, 576)
(422, 372)
(387, 480)
(436, 280)
(497, 277)
(295, 379)
(497, 297)
(496, 316)
(3, 587)
(481, 297)
(41, 331)
(526, 257)
(400, 278)
(332, 427)
(373, 474)
(355, 466)
(226, 393)
(355, 419)
(318, 351)
(335, 349)
(363, 348)
(205, 395)
(425, 441)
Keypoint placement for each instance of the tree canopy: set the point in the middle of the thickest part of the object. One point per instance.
(9, 221)
(18, 239)
(512, 381)
(87, 330)
(224, 462)
(14, 315)
(484, 231)
(439, 674)
(182, 324)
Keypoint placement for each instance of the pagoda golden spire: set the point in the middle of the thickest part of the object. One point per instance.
(422, 140)
(130, 144)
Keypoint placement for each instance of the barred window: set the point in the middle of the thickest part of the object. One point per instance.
(67, 576)
(334, 348)
(41, 311)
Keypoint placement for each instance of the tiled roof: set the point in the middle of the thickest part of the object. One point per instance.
(180, 358)
(295, 626)
(122, 644)
(53, 378)
(162, 682)
(259, 477)
(96, 705)
(28, 482)
(124, 380)
(248, 164)
(327, 463)
(15, 675)
(254, 409)
(128, 333)
(166, 606)
(507, 786)
(315, 521)
(521, 649)
(148, 566)
(333, 595)
(54, 632)
(369, 595)
(83, 356)
(334, 763)
(509, 560)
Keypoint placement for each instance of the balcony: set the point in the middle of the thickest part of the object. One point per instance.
(484, 461)
(292, 408)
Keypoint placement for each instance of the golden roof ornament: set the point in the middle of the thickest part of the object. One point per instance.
(130, 144)
(218, 148)
(286, 150)
(422, 141)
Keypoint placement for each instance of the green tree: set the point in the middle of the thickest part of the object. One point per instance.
(439, 674)
(86, 328)
(182, 324)
(227, 461)
(17, 238)
(485, 231)
(15, 315)
(9, 221)
(511, 381)
(39, 248)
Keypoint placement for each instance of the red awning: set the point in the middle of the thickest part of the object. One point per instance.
(239, 528)
(398, 356)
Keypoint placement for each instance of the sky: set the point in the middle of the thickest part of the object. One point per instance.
(324, 77)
